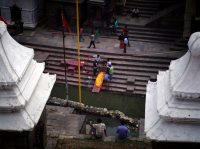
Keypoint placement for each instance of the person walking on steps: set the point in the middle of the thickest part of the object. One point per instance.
(125, 44)
(126, 36)
(96, 35)
(80, 34)
(121, 39)
(92, 40)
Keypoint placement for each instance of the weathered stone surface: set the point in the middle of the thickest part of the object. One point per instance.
(131, 80)
(132, 138)
(109, 139)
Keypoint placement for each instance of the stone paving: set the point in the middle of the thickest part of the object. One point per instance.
(62, 123)
(43, 36)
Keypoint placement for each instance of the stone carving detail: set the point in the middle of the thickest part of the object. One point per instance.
(172, 103)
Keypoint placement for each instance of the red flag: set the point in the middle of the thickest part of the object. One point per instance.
(1, 19)
(64, 21)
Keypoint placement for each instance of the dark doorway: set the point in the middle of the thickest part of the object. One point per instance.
(15, 13)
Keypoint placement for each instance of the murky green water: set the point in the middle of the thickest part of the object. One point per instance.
(131, 106)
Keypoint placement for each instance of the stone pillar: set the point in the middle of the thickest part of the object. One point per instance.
(189, 13)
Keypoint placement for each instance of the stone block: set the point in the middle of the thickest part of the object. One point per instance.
(54, 135)
(109, 139)
(132, 138)
(83, 136)
(130, 89)
(130, 80)
(153, 76)
(140, 139)
(88, 129)
(65, 137)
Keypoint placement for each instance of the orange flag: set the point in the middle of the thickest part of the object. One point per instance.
(64, 21)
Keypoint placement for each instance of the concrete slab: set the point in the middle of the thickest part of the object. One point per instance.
(141, 129)
(109, 139)
(83, 136)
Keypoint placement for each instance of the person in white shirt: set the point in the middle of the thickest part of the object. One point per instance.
(135, 12)
(125, 44)
(98, 129)
(97, 58)
(92, 40)
(108, 66)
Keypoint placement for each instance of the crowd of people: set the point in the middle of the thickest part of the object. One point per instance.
(109, 68)
(124, 39)
(100, 128)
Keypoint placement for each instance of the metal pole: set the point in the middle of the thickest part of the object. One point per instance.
(66, 86)
(77, 17)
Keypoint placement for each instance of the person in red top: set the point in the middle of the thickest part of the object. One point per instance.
(80, 34)
(125, 30)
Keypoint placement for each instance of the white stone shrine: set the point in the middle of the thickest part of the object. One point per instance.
(24, 88)
(172, 110)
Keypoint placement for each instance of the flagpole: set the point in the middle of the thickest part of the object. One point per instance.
(77, 17)
(66, 86)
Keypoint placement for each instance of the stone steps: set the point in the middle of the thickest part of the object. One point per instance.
(141, 33)
(139, 68)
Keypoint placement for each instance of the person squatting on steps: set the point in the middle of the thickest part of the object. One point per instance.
(98, 129)
(92, 40)
(95, 66)
(122, 131)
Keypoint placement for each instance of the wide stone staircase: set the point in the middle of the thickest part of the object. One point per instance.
(146, 7)
(147, 34)
(131, 73)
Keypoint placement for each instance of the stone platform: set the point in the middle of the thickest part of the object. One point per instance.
(62, 123)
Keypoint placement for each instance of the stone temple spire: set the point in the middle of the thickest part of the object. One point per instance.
(24, 88)
(172, 111)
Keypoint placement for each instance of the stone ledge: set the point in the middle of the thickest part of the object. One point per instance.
(109, 139)
(82, 136)
(65, 137)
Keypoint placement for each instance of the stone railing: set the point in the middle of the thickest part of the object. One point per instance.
(95, 110)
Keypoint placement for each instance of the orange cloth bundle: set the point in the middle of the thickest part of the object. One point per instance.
(99, 79)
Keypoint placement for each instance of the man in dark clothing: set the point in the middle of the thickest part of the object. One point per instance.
(95, 66)
(122, 131)
(20, 25)
(121, 39)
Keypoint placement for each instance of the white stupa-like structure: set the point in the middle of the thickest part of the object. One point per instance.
(172, 110)
(24, 88)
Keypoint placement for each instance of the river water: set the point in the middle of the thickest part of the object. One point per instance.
(131, 106)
